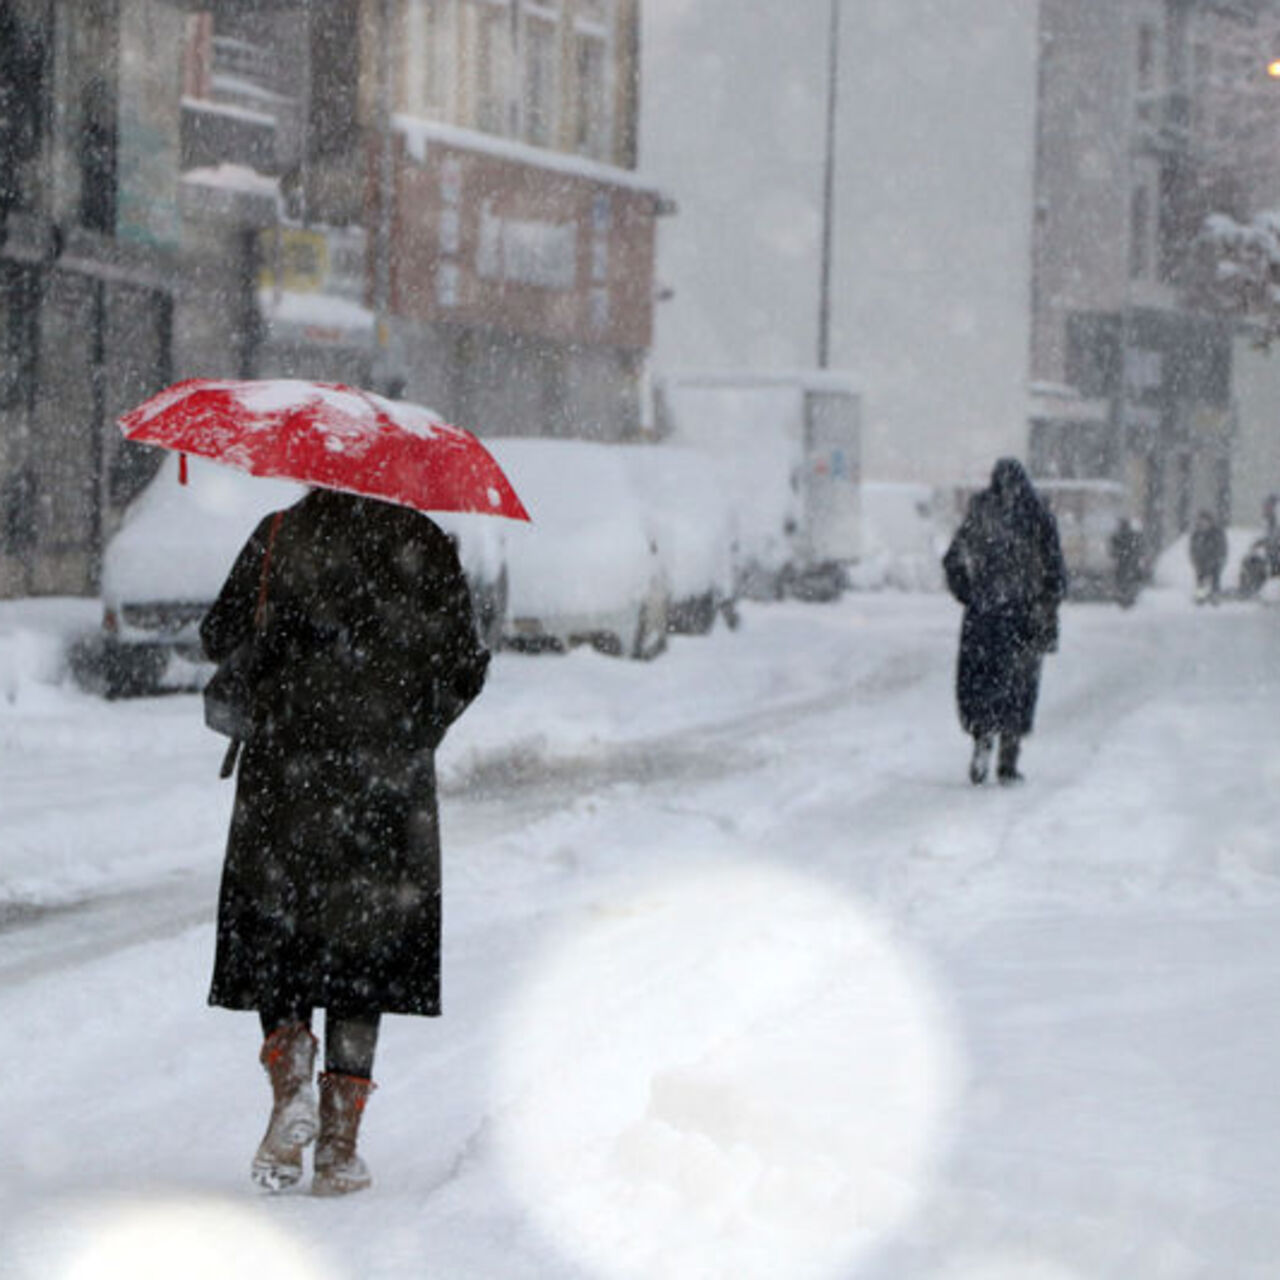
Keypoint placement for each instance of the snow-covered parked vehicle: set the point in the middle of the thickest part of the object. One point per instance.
(174, 548)
(587, 570)
(694, 526)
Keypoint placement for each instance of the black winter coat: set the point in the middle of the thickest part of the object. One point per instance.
(331, 887)
(1005, 566)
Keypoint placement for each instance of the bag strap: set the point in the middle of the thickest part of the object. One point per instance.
(264, 577)
(228, 766)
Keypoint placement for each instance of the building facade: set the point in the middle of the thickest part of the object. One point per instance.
(1151, 115)
(90, 234)
(436, 198)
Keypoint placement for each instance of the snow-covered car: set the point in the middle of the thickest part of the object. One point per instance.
(694, 526)
(586, 570)
(171, 554)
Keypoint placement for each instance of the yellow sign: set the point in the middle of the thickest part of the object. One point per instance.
(301, 257)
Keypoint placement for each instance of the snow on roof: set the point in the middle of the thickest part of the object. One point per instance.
(323, 310)
(234, 177)
(806, 379)
(210, 107)
(418, 133)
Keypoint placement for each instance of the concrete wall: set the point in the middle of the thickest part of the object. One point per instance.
(1255, 470)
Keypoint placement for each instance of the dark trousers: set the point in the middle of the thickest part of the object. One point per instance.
(350, 1038)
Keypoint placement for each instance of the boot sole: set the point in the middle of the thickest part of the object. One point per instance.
(271, 1176)
(327, 1187)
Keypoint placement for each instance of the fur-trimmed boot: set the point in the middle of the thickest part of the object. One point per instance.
(339, 1170)
(289, 1056)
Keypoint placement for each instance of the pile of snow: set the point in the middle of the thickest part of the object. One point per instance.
(587, 549)
(35, 638)
(178, 542)
(688, 514)
(903, 538)
(758, 463)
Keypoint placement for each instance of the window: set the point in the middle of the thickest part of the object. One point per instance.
(24, 87)
(1146, 57)
(1139, 232)
(18, 304)
(96, 157)
(592, 114)
(493, 61)
(540, 76)
(426, 54)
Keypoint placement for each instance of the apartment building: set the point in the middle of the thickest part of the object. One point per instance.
(89, 237)
(480, 155)
(1151, 115)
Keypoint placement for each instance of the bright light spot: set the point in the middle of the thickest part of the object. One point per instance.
(736, 1073)
(1273, 68)
(197, 1240)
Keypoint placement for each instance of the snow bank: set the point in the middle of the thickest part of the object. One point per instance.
(178, 541)
(35, 637)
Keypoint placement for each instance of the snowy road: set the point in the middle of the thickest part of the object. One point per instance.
(742, 978)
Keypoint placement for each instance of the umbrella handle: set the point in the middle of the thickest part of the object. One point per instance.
(182, 468)
(229, 760)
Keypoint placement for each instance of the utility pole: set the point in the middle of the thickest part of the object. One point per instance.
(386, 186)
(828, 189)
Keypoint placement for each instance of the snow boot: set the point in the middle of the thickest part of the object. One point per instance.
(981, 761)
(289, 1055)
(339, 1170)
(1007, 768)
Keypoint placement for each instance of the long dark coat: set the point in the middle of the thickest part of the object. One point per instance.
(331, 887)
(1005, 566)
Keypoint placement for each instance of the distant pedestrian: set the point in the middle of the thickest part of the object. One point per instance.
(1208, 557)
(1005, 566)
(330, 891)
(1126, 556)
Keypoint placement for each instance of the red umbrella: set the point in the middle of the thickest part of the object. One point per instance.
(330, 436)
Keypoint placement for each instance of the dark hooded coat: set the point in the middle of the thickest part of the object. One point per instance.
(1005, 566)
(331, 887)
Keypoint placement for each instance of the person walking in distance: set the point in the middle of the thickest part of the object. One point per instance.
(1208, 547)
(1005, 566)
(330, 894)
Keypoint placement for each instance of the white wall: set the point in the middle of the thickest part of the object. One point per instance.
(1255, 457)
(931, 288)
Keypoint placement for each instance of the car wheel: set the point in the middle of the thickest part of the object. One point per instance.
(607, 643)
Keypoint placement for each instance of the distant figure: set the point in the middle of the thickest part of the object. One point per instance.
(1005, 566)
(1271, 533)
(1208, 557)
(1126, 555)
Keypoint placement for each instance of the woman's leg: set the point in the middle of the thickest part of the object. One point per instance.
(274, 1017)
(350, 1040)
(288, 1056)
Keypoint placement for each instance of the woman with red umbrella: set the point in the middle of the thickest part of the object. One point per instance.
(358, 621)
(330, 893)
